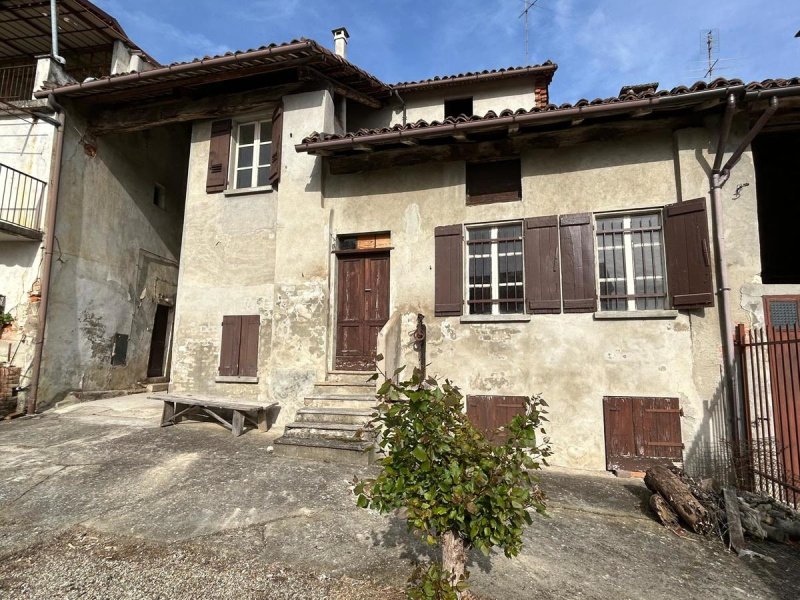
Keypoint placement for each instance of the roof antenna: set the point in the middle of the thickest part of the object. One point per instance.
(527, 6)
(712, 49)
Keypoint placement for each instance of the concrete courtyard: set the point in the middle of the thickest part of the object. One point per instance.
(98, 501)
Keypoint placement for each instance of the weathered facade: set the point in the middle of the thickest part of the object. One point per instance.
(302, 257)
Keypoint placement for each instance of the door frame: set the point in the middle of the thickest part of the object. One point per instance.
(334, 293)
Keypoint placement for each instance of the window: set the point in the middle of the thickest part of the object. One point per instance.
(160, 196)
(253, 152)
(458, 106)
(494, 269)
(630, 256)
(782, 311)
(239, 352)
(496, 181)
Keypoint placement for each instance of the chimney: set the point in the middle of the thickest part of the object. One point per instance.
(340, 37)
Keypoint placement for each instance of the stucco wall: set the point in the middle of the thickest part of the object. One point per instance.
(116, 255)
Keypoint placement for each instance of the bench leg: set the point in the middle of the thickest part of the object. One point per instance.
(167, 413)
(263, 423)
(178, 408)
(238, 423)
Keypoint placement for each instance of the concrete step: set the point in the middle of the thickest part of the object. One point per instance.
(359, 401)
(338, 451)
(352, 416)
(153, 388)
(349, 377)
(343, 388)
(329, 431)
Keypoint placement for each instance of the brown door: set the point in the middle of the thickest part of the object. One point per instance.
(783, 335)
(641, 432)
(158, 343)
(489, 413)
(362, 309)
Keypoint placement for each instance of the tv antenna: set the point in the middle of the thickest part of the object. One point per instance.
(527, 6)
(710, 62)
(712, 52)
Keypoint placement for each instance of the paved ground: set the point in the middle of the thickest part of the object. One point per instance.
(96, 501)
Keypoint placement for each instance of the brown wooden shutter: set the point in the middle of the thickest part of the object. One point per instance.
(248, 346)
(218, 156)
(277, 136)
(495, 181)
(542, 274)
(229, 353)
(688, 257)
(448, 270)
(488, 413)
(577, 263)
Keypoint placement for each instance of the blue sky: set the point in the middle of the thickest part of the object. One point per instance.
(599, 45)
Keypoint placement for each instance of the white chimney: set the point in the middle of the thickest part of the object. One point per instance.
(340, 37)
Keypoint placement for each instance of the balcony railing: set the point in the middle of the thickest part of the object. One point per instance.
(20, 198)
(16, 83)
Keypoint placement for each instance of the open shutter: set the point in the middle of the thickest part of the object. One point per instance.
(248, 347)
(542, 276)
(218, 156)
(229, 353)
(448, 268)
(577, 263)
(277, 135)
(688, 256)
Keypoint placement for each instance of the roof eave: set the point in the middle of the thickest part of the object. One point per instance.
(546, 70)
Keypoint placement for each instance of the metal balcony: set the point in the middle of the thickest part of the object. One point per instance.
(21, 199)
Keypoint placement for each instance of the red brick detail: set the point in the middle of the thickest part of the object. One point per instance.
(9, 379)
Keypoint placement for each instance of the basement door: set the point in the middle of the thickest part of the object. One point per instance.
(158, 342)
(362, 308)
(641, 432)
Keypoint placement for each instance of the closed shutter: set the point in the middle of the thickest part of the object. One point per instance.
(448, 270)
(231, 339)
(688, 256)
(496, 181)
(277, 135)
(218, 156)
(577, 263)
(657, 425)
(248, 347)
(488, 413)
(542, 275)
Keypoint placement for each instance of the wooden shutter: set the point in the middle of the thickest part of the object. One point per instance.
(218, 156)
(231, 339)
(657, 428)
(577, 263)
(488, 413)
(448, 270)
(277, 136)
(542, 275)
(496, 181)
(248, 346)
(688, 257)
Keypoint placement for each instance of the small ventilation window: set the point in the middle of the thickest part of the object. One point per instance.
(458, 106)
(119, 354)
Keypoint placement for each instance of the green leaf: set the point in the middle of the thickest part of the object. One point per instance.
(420, 454)
(362, 501)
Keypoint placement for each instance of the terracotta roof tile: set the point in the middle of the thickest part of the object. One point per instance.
(628, 96)
(547, 66)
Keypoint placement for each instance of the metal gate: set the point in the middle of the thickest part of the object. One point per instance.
(769, 369)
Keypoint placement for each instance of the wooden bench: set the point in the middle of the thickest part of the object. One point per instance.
(178, 406)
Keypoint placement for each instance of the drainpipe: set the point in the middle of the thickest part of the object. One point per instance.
(719, 176)
(54, 32)
(50, 234)
(394, 92)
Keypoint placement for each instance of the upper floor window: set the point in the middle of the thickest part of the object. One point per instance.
(253, 152)
(630, 257)
(458, 106)
(494, 269)
(494, 181)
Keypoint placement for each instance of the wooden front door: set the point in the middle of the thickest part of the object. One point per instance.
(641, 432)
(362, 309)
(158, 342)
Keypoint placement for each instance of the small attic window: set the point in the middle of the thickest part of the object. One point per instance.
(458, 106)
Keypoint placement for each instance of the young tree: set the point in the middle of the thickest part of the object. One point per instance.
(457, 488)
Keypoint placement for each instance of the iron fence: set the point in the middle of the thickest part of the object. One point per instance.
(16, 83)
(769, 369)
(21, 198)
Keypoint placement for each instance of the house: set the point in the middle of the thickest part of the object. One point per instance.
(578, 251)
(90, 43)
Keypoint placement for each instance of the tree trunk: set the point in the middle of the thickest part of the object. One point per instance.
(664, 513)
(663, 481)
(454, 555)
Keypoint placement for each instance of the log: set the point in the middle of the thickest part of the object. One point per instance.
(664, 513)
(677, 494)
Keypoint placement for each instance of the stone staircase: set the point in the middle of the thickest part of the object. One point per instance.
(331, 424)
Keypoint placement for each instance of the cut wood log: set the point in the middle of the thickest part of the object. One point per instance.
(664, 513)
(735, 533)
(677, 494)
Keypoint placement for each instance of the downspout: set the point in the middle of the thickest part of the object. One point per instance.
(394, 92)
(719, 176)
(50, 234)
(54, 31)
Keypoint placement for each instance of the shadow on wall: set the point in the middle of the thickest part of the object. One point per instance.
(710, 453)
